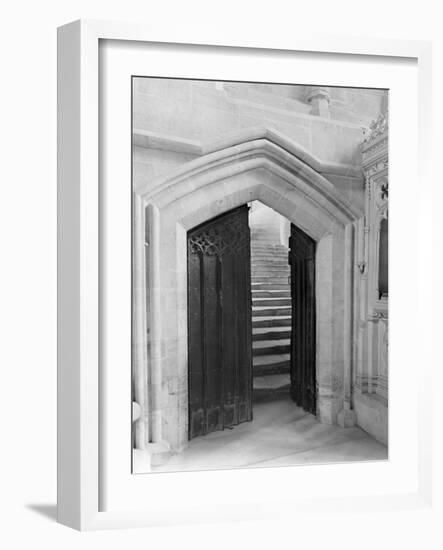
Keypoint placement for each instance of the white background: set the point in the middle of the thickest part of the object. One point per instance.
(28, 269)
(408, 216)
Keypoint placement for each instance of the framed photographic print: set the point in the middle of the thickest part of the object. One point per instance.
(233, 302)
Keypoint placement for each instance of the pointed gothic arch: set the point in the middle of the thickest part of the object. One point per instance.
(260, 166)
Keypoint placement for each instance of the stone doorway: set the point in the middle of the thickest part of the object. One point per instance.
(269, 170)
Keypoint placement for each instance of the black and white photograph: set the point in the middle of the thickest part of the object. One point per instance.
(259, 274)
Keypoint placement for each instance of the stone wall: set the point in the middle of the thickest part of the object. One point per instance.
(180, 117)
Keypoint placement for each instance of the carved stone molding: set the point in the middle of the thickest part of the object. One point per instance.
(378, 315)
(381, 191)
(375, 147)
(375, 168)
(372, 148)
(319, 99)
(361, 267)
(378, 127)
(375, 163)
(372, 377)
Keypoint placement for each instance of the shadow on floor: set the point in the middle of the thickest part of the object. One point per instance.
(49, 511)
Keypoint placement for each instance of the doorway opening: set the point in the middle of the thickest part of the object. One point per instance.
(271, 302)
(251, 318)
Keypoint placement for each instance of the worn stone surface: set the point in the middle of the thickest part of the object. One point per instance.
(280, 435)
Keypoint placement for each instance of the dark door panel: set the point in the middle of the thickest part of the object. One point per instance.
(219, 319)
(303, 342)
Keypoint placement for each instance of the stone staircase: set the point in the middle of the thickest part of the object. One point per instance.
(271, 307)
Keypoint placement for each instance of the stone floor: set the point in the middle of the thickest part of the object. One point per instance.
(281, 434)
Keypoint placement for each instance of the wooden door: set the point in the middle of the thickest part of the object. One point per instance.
(219, 323)
(303, 344)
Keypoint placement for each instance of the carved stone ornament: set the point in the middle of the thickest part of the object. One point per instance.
(381, 192)
(378, 127)
(379, 315)
(374, 147)
(361, 267)
(376, 168)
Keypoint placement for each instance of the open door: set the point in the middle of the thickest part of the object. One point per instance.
(303, 347)
(219, 323)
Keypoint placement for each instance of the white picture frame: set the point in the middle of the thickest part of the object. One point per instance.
(80, 393)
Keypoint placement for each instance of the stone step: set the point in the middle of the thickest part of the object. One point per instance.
(259, 311)
(271, 350)
(270, 286)
(271, 383)
(269, 254)
(269, 248)
(256, 243)
(264, 234)
(271, 321)
(270, 358)
(269, 279)
(277, 262)
(271, 269)
(276, 252)
(269, 262)
(281, 341)
(261, 235)
(269, 272)
(270, 265)
(267, 259)
(270, 347)
(270, 333)
(271, 364)
(262, 223)
(271, 294)
(271, 301)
